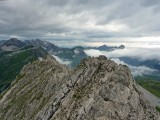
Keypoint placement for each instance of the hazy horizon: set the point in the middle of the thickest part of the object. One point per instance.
(86, 22)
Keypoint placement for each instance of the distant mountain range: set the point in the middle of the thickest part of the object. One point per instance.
(14, 54)
(72, 56)
(2, 42)
(11, 45)
(11, 62)
(107, 48)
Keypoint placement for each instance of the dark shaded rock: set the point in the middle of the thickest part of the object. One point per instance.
(102, 57)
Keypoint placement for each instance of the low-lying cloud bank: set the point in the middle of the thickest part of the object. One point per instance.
(137, 70)
(138, 53)
(66, 62)
(141, 54)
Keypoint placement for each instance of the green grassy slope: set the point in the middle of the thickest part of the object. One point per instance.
(151, 85)
(12, 62)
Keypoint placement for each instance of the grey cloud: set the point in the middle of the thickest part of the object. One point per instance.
(86, 18)
(121, 10)
(66, 62)
(56, 2)
(98, 34)
(90, 4)
(147, 3)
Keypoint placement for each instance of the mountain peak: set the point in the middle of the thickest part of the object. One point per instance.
(122, 46)
(102, 57)
(12, 44)
(104, 45)
(97, 88)
(13, 39)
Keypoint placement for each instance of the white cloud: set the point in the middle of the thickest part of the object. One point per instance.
(115, 27)
(76, 51)
(137, 70)
(141, 54)
(93, 52)
(88, 20)
(141, 70)
(66, 62)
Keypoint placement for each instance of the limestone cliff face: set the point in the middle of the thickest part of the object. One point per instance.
(97, 89)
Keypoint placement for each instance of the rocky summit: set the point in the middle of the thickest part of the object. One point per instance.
(97, 89)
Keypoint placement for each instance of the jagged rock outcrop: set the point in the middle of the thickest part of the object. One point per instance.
(97, 89)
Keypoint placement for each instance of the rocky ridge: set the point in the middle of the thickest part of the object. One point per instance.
(11, 62)
(97, 89)
(11, 45)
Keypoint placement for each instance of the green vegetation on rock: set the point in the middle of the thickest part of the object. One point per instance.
(11, 62)
(158, 108)
(151, 85)
(48, 90)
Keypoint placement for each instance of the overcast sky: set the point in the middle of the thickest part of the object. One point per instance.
(82, 22)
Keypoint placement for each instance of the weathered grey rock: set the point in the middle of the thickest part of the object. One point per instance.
(98, 89)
